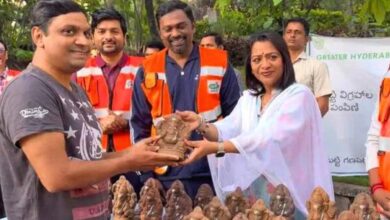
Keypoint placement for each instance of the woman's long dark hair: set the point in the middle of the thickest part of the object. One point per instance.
(288, 76)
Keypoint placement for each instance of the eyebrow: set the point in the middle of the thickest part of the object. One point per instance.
(77, 27)
(108, 28)
(177, 24)
(265, 54)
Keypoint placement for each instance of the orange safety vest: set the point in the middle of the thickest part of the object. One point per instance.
(213, 64)
(384, 136)
(92, 80)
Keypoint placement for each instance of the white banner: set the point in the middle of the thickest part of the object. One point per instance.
(356, 67)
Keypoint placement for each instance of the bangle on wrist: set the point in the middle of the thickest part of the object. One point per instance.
(201, 129)
(201, 121)
(376, 186)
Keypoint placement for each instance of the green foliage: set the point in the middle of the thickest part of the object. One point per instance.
(277, 2)
(15, 32)
(357, 180)
(377, 8)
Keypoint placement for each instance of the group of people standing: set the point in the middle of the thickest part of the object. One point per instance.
(71, 121)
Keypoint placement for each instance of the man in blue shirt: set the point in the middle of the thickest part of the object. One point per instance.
(185, 68)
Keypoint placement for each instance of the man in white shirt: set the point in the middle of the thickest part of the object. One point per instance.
(308, 71)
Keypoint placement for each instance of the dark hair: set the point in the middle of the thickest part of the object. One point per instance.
(4, 44)
(217, 37)
(104, 14)
(173, 5)
(305, 24)
(155, 44)
(288, 76)
(45, 10)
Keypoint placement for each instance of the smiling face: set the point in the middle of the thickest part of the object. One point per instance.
(266, 64)
(109, 37)
(176, 32)
(66, 44)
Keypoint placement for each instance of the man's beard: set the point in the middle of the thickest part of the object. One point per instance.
(178, 49)
(113, 50)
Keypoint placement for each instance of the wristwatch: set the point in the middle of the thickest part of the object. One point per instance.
(220, 150)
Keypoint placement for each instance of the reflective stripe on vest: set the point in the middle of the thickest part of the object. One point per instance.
(101, 112)
(384, 144)
(212, 71)
(212, 115)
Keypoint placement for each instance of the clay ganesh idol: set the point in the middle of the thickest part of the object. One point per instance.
(173, 132)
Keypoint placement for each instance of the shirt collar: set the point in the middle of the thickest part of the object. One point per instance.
(193, 55)
(302, 56)
(101, 63)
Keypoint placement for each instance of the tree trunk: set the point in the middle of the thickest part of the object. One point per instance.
(151, 21)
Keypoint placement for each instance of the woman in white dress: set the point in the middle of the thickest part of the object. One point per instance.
(273, 136)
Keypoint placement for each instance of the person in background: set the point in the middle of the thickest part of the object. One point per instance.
(214, 41)
(152, 47)
(308, 71)
(377, 150)
(6, 74)
(51, 162)
(108, 80)
(181, 77)
(260, 152)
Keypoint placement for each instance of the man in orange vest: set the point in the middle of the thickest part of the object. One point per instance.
(181, 77)
(6, 74)
(108, 80)
(378, 148)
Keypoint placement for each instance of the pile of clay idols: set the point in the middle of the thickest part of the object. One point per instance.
(154, 204)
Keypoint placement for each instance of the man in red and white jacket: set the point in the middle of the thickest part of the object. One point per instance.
(108, 80)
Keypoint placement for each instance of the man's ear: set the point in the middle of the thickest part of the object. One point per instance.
(37, 36)
(221, 47)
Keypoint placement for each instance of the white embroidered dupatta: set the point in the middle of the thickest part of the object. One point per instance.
(284, 145)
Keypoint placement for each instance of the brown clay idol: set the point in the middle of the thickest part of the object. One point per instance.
(197, 214)
(363, 207)
(125, 199)
(216, 210)
(179, 204)
(236, 202)
(151, 207)
(203, 196)
(320, 207)
(259, 211)
(156, 184)
(281, 202)
(173, 131)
